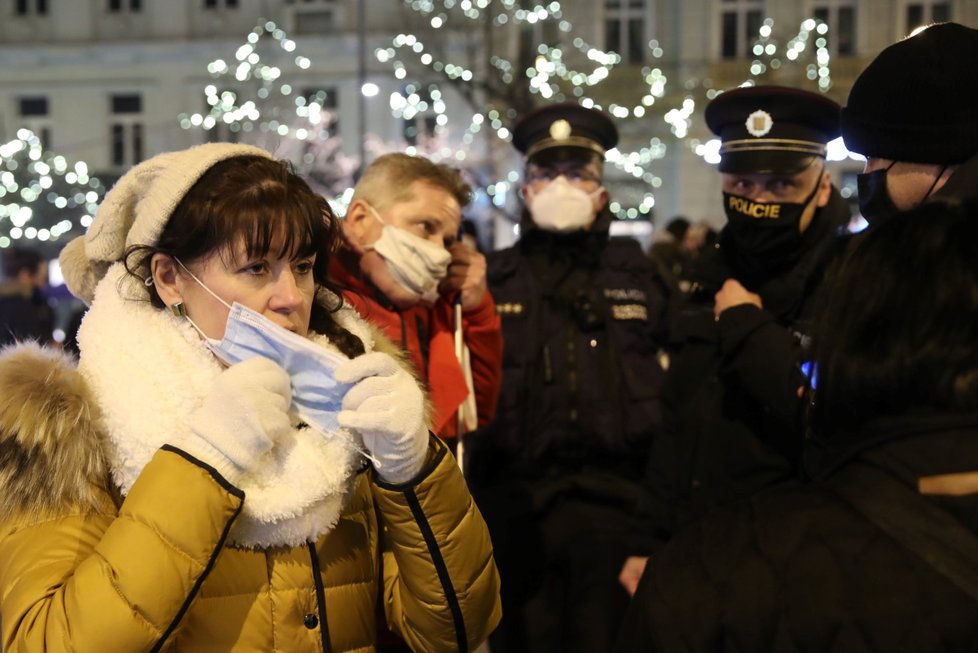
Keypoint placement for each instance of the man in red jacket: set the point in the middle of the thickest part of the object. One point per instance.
(407, 273)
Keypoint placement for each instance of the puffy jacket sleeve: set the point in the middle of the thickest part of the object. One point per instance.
(97, 580)
(441, 587)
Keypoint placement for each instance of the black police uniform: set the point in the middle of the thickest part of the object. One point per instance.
(557, 474)
(731, 412)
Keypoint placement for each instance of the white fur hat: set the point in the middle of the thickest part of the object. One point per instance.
(137, 209)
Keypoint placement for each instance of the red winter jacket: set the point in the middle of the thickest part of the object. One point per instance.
(426, 331)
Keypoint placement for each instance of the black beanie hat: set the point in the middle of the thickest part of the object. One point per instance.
(918, 100)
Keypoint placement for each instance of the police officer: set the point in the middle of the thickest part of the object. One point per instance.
(557, 473)
(731, 406)
(912, 113)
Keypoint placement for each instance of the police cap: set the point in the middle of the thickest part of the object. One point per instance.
(564, 125)
(766, 129)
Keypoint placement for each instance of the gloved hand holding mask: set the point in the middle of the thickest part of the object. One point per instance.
(241, 418)
(248, 334)
(386, 407)
(316, 395)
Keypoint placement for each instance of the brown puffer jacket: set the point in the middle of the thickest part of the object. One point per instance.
(83, 570)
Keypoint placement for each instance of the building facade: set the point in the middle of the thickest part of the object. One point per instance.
(112, 82)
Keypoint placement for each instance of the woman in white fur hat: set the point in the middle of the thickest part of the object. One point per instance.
(234, 463)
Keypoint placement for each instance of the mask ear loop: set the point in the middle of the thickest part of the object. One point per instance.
(348, 443)
(818, 185)
(376, 215)
(212, 294)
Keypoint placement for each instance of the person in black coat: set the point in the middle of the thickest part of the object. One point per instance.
(911, 112)
(879, 552)
(731, 403)
(24, 310)
(557, 473)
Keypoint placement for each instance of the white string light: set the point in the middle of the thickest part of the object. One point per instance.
(43, 197)
(553, 79)
(255, 101)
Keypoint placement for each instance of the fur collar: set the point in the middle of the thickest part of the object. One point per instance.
(150, 371)
(142, 373)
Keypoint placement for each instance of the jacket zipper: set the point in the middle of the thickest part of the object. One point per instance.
(317, 578)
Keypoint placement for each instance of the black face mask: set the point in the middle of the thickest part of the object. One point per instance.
(875, 203)
(762, 239)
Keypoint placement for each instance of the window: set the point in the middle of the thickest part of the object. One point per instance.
(222, 132)
(535, 35)
(33, 106)
(325, 97)
(624, 29)
(314, 16)
(118, 6)
(328, 102)
(740, 21)
(840, 16)
(127, 129)
(34, 116)
(420, 121)
(924, 13)
(28, 7)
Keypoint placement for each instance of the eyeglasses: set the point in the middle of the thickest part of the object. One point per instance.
(571, 173)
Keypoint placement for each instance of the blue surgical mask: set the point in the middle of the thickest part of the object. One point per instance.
(316, 396)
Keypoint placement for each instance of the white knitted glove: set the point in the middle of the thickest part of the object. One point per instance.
(386, 407)
(242, 416)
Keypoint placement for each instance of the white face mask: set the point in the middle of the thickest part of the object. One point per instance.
(562, 207)
(414, 263)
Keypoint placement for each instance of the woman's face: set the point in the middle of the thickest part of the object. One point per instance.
(281, 289)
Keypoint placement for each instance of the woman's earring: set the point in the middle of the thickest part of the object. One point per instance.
(148, 281)
(178, 309)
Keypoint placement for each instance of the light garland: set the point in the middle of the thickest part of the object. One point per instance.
(765, 51)
(262, 112)
(43, 197)
(257, 103)
(553, 79)
(303, 127)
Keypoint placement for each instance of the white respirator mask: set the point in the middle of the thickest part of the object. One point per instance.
(562, 206)
(414, 263)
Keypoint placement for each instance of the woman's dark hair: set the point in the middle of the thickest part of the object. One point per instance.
(896, 331)
(260, 202)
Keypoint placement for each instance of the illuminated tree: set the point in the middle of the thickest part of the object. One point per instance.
(45, 200)
(254, 99)
(505, 56)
